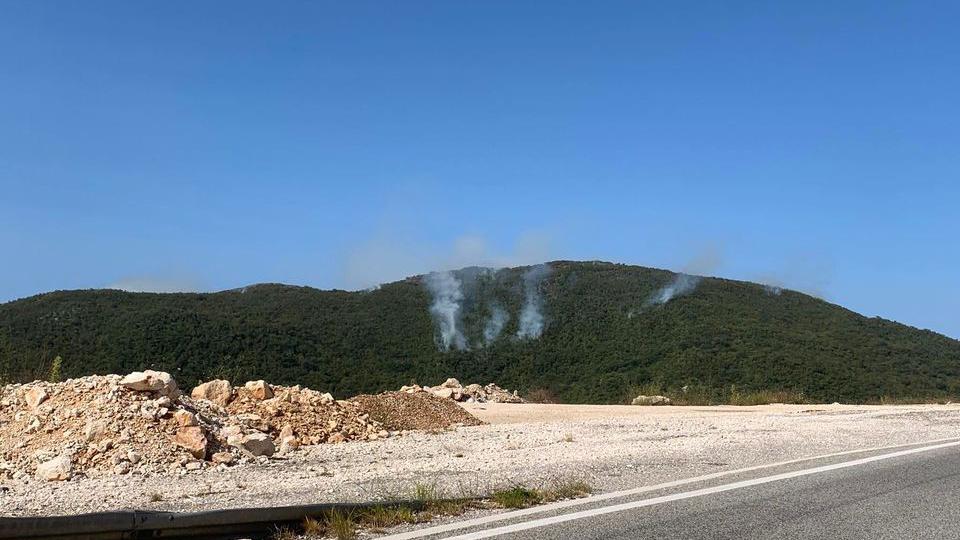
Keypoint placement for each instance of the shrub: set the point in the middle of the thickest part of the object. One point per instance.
(541, 395)
(55, 368)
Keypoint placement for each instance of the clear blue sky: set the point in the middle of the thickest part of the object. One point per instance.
(209, 145)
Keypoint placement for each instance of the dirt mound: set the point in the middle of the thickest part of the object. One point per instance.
(400, 411)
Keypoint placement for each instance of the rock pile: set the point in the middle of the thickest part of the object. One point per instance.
(650, 400)
(93, 425)
(308, 416)
(472, 393)
(141, 424)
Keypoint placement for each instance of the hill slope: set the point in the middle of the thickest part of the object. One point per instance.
(601, 337)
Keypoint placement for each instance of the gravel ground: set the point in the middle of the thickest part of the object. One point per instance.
(611, 447)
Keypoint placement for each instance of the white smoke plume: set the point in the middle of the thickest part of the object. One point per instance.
(773, 290)
(446, 307)
(531, 314)
(494, 326)
(688, 279)
(681, 285)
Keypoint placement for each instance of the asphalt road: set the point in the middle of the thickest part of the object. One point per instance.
(902, 497)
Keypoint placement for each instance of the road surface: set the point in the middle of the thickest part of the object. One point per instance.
(902, 492)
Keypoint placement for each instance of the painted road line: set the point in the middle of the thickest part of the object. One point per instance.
(504, 516)
(553, 520)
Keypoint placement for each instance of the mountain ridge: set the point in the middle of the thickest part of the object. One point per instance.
(602, 336)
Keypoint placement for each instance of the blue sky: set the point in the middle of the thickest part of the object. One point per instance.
(203, 146)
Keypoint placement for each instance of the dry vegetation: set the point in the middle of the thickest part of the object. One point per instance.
(700, 395)
(424, 503)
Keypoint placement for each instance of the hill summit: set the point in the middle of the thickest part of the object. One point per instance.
(581, 331)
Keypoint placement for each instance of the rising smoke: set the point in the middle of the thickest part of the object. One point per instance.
(687, 280)
(531, 314)
(494, 325)
(447, 297)
(682, 284)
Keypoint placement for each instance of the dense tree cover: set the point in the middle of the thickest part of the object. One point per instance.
(601, 340)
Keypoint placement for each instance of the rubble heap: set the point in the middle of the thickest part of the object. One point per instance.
(472, 393)
(142, 424)
(312, 417)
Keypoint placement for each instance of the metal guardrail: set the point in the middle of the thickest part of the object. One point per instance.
(137, 525)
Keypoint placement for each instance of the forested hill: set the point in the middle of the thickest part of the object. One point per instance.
(604, 333)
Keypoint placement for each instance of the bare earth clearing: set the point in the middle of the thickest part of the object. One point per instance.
(610, 447)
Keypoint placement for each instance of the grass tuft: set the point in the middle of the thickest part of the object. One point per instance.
(381, 517)
(314, 527)
(284, 533)
(341, 525)
(425, 493)
(566, 489)
(516, 497)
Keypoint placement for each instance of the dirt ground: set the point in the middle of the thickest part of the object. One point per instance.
(533, 413)
(610, 447)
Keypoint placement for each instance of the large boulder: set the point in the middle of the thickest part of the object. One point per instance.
(650, 400)
(193, 440)
(152, 381)
(35, 396)
(58, 468)
(259, 389)
(254, 444)
(217, 391)
(445, 393)
(288, 441)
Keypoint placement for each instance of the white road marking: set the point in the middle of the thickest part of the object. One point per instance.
(459, 525)
(543, 522)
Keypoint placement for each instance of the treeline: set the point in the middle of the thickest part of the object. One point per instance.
(601, 341)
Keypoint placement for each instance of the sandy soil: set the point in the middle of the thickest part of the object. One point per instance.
(611, 447)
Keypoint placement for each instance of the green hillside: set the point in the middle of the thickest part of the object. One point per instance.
(601, 338)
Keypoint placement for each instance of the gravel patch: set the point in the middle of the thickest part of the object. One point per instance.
(400, 411)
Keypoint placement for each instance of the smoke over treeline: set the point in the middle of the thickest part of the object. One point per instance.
(681, 285)
(447, 297)
(687, 280)
(531, 316)
(489, 295)
(495, 323)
